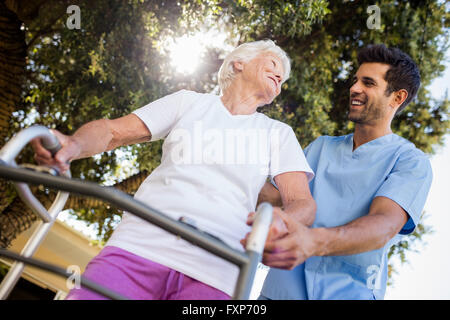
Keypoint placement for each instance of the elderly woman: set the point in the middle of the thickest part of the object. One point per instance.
(217, 154)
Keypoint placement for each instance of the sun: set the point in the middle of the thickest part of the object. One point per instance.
(186, 52)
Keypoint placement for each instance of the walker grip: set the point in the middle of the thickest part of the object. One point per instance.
(260, 229)
(51, 143)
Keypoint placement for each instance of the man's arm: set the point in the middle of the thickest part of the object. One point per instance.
(384, 220)
(92, 138)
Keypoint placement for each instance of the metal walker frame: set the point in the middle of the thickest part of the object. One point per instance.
(247, 262)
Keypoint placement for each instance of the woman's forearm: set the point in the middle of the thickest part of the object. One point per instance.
(304, 210)
(270, 194)
(93, 137)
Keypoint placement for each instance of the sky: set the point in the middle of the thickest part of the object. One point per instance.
(427, 275)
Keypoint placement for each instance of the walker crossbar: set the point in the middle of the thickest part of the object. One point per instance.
(247, 262)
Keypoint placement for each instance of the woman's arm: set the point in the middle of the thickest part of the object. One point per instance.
(270, 194)
(92, 138)
(296, 197)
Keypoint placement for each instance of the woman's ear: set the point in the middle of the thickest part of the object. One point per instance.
(238, 65)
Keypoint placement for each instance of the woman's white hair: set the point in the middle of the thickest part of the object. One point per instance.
(246, 52)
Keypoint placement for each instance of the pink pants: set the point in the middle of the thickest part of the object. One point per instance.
(140, 279)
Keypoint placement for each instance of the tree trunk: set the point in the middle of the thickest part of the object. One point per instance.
(12, 71)
(13, 51)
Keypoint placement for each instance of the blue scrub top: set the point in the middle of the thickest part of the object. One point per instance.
(345, 184)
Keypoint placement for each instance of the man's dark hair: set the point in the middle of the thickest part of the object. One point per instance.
(402, 73)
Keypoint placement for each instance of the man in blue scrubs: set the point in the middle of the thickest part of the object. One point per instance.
(370, 188)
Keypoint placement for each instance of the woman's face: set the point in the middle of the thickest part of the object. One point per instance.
(264, 74)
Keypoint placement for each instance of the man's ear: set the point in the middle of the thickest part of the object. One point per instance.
(398, 98)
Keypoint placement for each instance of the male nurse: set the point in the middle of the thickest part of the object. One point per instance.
(370, 188)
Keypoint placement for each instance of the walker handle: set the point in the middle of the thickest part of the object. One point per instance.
(254, 250)
(10, 151)
(7, 158)
(260, 228)
(51, 143)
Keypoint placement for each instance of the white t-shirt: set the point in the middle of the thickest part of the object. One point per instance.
(213, 166)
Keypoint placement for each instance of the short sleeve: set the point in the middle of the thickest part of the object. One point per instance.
(312, 151)
(286, 154)
(408, 185)
(307, 149)
(161, 115)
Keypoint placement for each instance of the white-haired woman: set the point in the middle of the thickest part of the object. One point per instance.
(217, 154)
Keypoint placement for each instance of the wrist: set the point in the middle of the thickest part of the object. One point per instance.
(75, 148)
(321, 240)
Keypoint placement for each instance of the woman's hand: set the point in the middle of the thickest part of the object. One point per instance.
(61, 160)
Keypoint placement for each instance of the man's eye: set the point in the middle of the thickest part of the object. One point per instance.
(274, 64)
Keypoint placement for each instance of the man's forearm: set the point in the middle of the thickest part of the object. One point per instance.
(364, 234)
(94, 137)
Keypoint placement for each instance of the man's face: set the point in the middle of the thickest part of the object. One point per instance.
(265, 72)
(368, 100)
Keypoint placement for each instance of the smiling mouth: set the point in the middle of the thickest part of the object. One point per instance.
(357, 103)
(274, 81)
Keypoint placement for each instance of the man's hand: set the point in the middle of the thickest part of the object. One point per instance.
(289, 242)
(277, 228)
(70, 150)
(294, 248)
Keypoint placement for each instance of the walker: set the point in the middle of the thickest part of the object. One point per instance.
(38, 175)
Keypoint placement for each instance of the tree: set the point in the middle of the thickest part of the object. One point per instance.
(66, 77)
(15, 217)
(116, 63)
